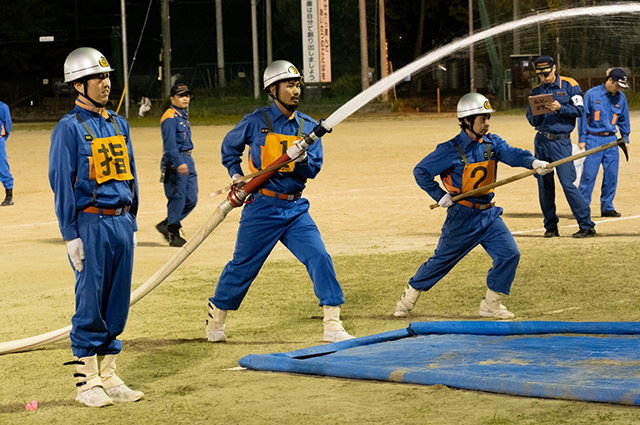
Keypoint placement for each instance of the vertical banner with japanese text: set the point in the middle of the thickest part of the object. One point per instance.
(325, 41)
(310, 42)
(316, 41)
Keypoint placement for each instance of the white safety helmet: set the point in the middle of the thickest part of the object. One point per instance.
(473, 104)
(278, 71)
(84, 61)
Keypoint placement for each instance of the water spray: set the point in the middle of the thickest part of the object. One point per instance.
(238, 196)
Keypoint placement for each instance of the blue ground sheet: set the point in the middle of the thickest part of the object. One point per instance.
(592, 361)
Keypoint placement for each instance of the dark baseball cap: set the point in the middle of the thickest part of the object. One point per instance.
(544, 64)
(179, 89)
(619, 76)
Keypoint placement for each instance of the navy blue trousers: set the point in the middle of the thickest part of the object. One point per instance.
(464, 229)
(264, 222)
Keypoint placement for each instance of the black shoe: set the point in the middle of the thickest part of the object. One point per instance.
(612, 213)
(550, 233)
(585, 233)
(176, 240)
(8, 200)
(162, 228)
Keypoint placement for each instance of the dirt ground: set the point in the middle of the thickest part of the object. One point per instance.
(365, 201)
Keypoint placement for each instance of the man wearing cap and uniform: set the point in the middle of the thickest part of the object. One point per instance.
(553, 143)
(605, 112)
(466, 162)
(277, 212)
(179, 172)
(93, 176)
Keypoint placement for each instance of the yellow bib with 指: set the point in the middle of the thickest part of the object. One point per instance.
(111, 159)
(275, 145)
(478, 174)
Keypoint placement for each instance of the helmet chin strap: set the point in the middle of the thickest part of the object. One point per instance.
(290, 108)
(86, 96)
(465, 126)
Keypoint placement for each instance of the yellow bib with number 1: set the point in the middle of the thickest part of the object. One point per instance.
(275, 145)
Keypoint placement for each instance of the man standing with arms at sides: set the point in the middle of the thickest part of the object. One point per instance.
(553, 143)
(466, 162)
(605, 112)
(5, 173)
(180, 177)
(278, 212)
(93, 176)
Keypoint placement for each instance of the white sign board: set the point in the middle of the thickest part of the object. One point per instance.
(46, 38)
(310, 42)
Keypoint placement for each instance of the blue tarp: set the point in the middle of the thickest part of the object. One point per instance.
(593, 361)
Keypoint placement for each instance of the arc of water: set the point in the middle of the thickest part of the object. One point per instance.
(335, 118)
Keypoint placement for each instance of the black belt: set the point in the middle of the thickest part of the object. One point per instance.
(603, 133)
(555, 136)
(188, 153)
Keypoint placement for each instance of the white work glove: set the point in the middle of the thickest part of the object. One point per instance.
(540, 167)
(135, 240)
(446, 201)
(297, 152)
(234, 181)
(75, 249)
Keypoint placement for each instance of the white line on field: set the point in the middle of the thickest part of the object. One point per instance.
(575, 225)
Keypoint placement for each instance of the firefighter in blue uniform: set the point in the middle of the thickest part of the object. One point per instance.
(466, 162)
(605, 112)
(278, 212)
(179, 170)
(553, 143)
(5, 173)
(93, 176)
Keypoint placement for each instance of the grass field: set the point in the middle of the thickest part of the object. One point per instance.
(376, 224)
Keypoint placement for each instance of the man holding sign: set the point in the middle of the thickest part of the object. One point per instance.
(467, 162)
(93, 176)
(554, 124)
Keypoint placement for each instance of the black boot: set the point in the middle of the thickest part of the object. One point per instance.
(8, 200)
(174, 236)
(162, 228)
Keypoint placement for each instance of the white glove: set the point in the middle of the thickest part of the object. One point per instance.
(235, 182)
(75, 249)
(297, 152)
(540, 167)
(446, 201)
(135, 240)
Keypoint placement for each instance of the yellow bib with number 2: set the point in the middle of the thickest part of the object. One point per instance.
(477, 175)
(111, 159)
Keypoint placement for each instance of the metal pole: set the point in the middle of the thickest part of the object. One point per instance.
(166, 48)
(472, 82)
(254, 40)
(269, 38)
(364, 53)
(516, 34)
(220, 44)
(125, 56)
(383, 49)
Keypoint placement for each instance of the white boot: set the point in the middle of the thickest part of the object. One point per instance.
(215, 324)
(333, 330)
(90, 390)
(113, 385)
(491, 306)
(407, 301)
